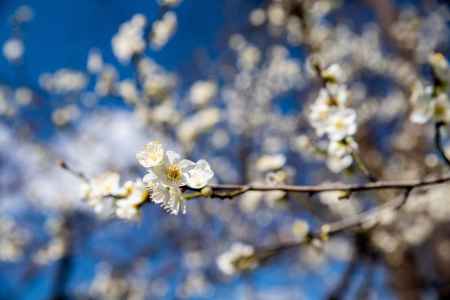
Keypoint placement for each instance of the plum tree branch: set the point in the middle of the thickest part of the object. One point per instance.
(228, 191)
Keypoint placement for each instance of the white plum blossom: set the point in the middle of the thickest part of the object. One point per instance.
(94, 61)
(428, 106)
(129, 41)
(152, 155)
(167, 172)
(330, 116)
(98, 189)
(341, 123)
(340, 154)
(228, 261)
(334, 73)
(163, 29)
(171, 171)
(202, 92)
(329, 101)
(136, 194)
(199, 176)
(13, 49)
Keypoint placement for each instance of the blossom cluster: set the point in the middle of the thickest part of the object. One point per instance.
(167, 172)
(331, 117)
(431, 102)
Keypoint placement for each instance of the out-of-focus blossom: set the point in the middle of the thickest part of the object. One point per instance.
(163, 29)
(169, 2)
(63, 81)
(197, 124)
(428, 106)
(202, 92)
(129, 40)
(135, 195)
(236, 259)
(13, 49)
(94, 61)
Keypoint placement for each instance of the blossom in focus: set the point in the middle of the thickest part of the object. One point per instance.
(167, 172)
(199, 176)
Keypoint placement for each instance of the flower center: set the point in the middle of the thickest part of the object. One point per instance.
(339, 124)
(173, 173)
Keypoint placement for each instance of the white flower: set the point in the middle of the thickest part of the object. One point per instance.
(339, 163)
(333, 73)
(341, 124)
(152, 155)
(129, 40)
(135, 195)
(13, 49)
(128, 91)
(421, 99)
(329, 101)
(202, 92)
(95, 61)
(270, 162)
(167, 172)
(169, 198)
(163, 29)
(227, 262)
(318, 116)
(176, 203)
(171, 171)
(99, 189)
(342, 147)
(199, 176)
(429, 107)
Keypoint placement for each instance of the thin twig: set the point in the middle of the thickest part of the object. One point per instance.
(334, 228)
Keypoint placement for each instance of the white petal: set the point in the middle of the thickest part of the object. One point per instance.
(200, 175)
(172, 156)
(149, 177)
(152, 155)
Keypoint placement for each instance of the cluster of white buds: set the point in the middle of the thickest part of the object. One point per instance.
(330, 116)
(167, 173)
(431, 102)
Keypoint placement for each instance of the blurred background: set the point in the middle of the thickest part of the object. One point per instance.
(90, 82)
